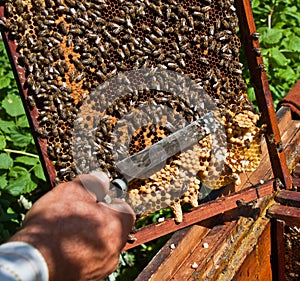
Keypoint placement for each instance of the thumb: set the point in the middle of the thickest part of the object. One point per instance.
(97, 183)
(120, 205)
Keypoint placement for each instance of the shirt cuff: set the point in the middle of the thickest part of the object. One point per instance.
(22, 261)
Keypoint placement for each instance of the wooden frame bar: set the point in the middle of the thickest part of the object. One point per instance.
(277, 241)
(290, 215)
(259, 80)
(202, 212)
(287, 214)
(287, 197)
(31, 113)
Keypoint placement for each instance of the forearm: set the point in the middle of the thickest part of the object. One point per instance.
(21, 261)
(74, 235)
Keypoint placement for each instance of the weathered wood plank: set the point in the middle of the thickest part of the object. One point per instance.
(237, 264)
(171, 256)
(291, 140)
(296, 183)
(284, 117)
(296, 172)
(287, 197)
(296, 175)
(278, 251)
(257, 265)
(290, 215)
(201, 257)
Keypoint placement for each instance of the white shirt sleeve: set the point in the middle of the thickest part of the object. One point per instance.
(20, 261)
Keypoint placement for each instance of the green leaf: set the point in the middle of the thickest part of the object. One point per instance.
(17, 171)
(4, 82)
(292, 43)
(278, 57)
(13, 105)
(10, 211)
(5, 161)
(287, 73)
(251, 94)
(20, 138)
(3, 181)
(265, 53)
(10, 75)
(296, 30)
(2, 142)
(6, 126)
(23, 122)
(21, 185)
(272, 36)
(39, 172)
(8, 217)
(292, 12)
(255, 4)
(27, 160)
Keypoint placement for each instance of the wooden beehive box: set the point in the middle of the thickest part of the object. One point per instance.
(256, 241)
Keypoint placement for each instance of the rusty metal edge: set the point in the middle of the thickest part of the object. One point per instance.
(262, 91)
(19, 73)
(202, 212)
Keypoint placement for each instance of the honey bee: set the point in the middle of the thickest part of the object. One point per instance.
(212, 30)
(225, 24)
(257, 51)
(169, 30)
(149, 43)
(31, 102)
(155, 39)
(119, 20)
(8, 9)
(255, 35)
(118, 29)
(140, 10)
(83, 22)
(262, 67)
(204, 60)
(199, 15)
(79, 77)
(121, 53)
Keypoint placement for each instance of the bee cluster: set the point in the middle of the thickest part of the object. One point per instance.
(70, 47)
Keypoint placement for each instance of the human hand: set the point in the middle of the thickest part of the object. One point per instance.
(80, 238)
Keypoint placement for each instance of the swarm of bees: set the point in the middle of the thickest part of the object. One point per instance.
(70, 47)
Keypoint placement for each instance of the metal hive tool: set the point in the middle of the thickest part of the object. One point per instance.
(68, 48)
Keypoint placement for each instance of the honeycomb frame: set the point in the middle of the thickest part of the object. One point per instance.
(209, 79)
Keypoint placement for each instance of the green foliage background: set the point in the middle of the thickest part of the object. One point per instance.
(278, 22)
(21, 176)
